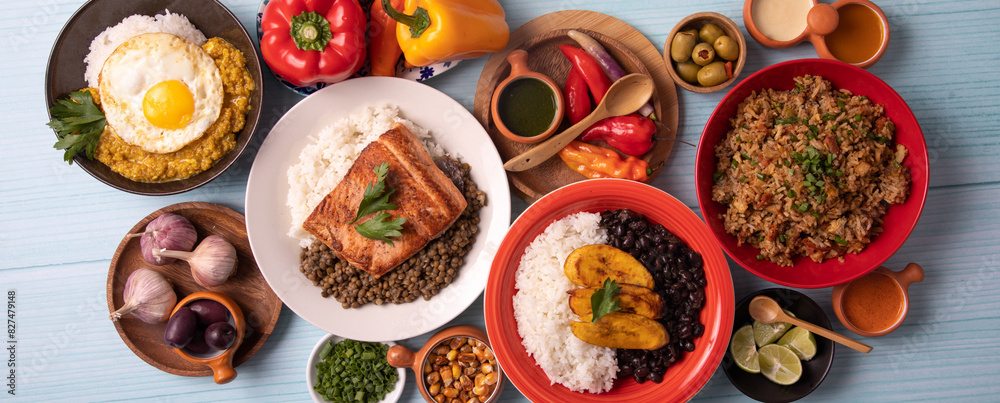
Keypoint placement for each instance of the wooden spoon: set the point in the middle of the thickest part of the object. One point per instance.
(767, 310)
(625, 96)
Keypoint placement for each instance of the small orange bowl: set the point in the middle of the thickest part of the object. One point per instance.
(221, 362)
(519, 71)
(822, 20)
(401, 357)
(877, 300)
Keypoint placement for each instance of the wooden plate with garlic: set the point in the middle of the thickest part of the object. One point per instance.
(213, 266)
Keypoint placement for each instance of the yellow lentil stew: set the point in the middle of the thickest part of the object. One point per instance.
(139, 165)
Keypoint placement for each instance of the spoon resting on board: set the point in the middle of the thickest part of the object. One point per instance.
(625, 96)
(767, 310)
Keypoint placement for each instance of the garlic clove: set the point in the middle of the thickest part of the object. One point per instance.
(168, 231)
(148, 296)
(214, 261)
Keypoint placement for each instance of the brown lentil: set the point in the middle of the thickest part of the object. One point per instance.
(422, 275)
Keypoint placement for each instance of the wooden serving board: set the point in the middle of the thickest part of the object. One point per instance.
(541, 37)
(246, 286)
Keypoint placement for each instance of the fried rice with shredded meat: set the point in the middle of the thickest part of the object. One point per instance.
(808, 172)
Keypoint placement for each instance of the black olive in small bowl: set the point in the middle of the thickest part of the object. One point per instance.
(814, 371)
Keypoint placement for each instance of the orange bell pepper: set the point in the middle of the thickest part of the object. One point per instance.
(599, 162)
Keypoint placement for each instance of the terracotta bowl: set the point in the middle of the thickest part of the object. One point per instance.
(696, 21)
(222, 362)
(402, 357)
(821, 20)
(902, 279)
(519, 71)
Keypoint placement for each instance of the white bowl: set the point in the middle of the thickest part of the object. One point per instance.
(311, 372)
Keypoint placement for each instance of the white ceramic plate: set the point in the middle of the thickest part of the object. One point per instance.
(268, 219)
(311, 372)
(415, 73)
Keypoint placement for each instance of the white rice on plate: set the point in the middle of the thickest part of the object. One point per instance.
(107, 41)
(325, 161)
(542, 313)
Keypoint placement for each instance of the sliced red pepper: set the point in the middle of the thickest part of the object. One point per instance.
(312, 41)
(591, 71)
(729, 69)
(630, 134)
(577, 98)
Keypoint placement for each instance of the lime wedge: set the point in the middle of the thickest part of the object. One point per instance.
(744, 351)
(801, 342)
(779, 364)
(767, 333)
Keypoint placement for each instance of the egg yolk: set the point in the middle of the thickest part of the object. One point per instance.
(168, 105)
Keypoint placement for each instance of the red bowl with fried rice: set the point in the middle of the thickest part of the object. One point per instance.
(899, 220)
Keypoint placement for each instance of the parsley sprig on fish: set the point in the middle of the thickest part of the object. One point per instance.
(376, 200)
(78, 123)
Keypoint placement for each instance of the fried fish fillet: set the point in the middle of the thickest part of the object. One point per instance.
(425, 196)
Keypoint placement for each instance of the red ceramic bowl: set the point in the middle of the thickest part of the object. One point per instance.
(686, 377)
(898, 221)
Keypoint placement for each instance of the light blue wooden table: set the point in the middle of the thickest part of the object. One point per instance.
(59, 227)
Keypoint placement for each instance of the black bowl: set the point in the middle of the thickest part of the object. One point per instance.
(64, 74)
(814, 371)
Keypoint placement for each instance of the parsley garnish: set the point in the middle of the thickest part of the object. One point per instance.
(604, 301)
(78, 123)
(376, 200)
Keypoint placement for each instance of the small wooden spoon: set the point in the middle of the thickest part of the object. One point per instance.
(767, 310)
(625, 96)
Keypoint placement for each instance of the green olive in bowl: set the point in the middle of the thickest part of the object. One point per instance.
(709, 32)
(726, 48)
(682, 45)
(712, 74)
(688, 71)
(703, 54)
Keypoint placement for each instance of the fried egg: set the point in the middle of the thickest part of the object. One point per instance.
(160, 92)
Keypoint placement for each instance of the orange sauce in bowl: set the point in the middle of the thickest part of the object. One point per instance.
(858, 36)
(873, 303)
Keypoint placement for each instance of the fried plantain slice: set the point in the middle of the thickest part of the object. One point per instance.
(632, 299)
(590, 265)
(621, 330)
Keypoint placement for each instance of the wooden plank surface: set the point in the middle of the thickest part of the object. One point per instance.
(59, 227)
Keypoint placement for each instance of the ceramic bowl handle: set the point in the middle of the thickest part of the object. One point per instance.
(913, 273)
(400, 357)
(518, 62)
(222, 368)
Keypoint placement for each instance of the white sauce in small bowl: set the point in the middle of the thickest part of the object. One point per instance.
(781, 20)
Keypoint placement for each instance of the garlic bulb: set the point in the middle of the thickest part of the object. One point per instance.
(212, 262)
(148, 295)
(168, 231)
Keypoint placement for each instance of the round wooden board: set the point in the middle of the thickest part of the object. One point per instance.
(541, 38)
(247, 287)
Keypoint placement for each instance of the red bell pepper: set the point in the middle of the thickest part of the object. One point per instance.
(591, 71)
(630, 134)
(312, 41)
(577, 98)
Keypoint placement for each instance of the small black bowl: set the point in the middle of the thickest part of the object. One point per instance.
(814, 371)
(64, 74)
